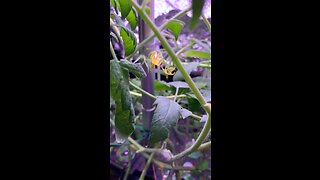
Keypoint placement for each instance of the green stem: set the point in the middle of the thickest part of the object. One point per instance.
(205, 146)
(195, 116)
(113, 53)
(187, 78)
(169, 97)
(145, 92)
(135, 94)
(164, 165)
(197, 144)
(146, 167)
(176, 94)
(206, 22)
(145, 2)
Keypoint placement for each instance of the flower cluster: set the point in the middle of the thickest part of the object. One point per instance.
(157, 59)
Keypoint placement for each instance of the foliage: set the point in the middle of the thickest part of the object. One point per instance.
(185, 100)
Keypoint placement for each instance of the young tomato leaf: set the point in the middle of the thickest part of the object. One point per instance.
(119, 91)
(129, 40)
(197, 6)
(135, 69)
(197, 54)
(125, 7)
(175, 26)
(133, 19)
(188, 67)
(165, 116)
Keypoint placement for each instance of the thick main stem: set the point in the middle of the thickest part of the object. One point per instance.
(147, 83)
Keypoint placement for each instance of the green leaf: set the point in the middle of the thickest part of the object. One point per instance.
(125, 7)
(135, 69)
(147, 10)
(197, 6)
(188, 67)
(185, 113)
(175, 26)
(195, 155)
(205, 93)
(161, 85)
(194, 105)
(202, 83)
(197, 54)
(129, 40)
(119, 91)
(133, 19)
(113, 3)
(165, 116)
(179, 84)
(203, 165)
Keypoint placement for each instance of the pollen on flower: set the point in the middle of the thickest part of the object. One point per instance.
(168, 71)
(156, 59)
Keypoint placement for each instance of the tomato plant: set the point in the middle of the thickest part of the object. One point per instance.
(178, 121)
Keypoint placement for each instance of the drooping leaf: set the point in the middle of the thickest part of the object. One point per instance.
(175, 26)
(197, 6)
(133, 19)
(135, 69)
(185, 113)
(179, 84)
(188, 67)
(119, 91)
(197, 54)
(165, 116)
(125, 7)
(129, 40)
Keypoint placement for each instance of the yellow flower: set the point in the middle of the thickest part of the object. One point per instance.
(155, 59)
(168, 71)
